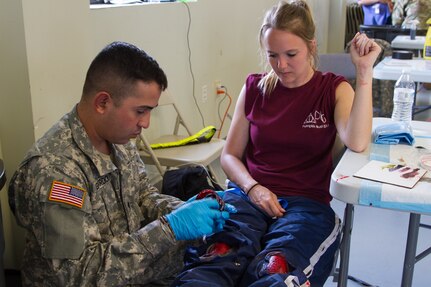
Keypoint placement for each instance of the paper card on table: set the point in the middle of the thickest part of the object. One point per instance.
(391, 173)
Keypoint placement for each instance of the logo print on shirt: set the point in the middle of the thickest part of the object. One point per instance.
(316, 120)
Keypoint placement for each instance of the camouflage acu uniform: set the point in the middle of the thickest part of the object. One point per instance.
(407, 10)
(114, 238)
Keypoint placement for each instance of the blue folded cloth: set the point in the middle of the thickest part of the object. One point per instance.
(393, 133)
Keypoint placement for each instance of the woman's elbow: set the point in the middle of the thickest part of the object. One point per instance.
(224, 159)
(358, 146)
(227, 160)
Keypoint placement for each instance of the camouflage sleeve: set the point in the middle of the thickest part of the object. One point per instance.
(398, 13)
(153, 204)
(70, 241)
(405, 11)
(424, 13)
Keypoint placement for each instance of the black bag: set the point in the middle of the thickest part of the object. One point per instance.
(187, 181)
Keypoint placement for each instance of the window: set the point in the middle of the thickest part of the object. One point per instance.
(125, 2)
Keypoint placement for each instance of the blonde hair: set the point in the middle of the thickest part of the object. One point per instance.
(293, 16)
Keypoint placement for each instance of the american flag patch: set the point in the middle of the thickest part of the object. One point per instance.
(66, 193)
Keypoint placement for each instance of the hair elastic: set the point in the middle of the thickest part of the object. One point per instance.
(253, 186)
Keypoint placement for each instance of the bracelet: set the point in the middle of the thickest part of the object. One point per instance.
(253, 186)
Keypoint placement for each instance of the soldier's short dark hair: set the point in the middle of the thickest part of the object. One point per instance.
(116, 69)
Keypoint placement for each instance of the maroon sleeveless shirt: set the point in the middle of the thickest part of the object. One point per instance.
(292, 132)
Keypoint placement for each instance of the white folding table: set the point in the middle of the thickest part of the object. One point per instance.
(391, 69)
(355, 191)
(404, 42)
(419, 69)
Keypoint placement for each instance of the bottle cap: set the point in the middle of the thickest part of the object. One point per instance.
(402, 55)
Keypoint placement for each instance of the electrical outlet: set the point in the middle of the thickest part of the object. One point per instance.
(217, 87)
(204, 93)
(217, 84)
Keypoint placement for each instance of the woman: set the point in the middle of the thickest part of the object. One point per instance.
(278, 154)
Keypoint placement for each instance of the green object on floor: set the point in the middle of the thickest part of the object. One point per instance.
(204, 135)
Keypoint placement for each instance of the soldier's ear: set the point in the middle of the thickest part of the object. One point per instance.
(101, 101)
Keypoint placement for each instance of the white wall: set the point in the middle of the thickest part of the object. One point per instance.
(222, 38)
(336, 26)
(47, 46)
(217, 42)
(16, 131)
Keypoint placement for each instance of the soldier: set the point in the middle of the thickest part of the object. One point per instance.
(406, 11)
(82, 194)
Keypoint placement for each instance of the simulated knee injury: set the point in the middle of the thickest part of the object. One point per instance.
(216, 249)
(275, 262)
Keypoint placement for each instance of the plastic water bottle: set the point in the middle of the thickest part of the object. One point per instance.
(404, 94)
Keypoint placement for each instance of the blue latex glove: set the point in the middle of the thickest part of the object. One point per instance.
(198, 218)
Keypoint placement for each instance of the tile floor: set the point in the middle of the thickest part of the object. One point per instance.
(378, 246)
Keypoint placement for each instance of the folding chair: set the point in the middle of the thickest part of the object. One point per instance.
(203, 154)
(337, 63)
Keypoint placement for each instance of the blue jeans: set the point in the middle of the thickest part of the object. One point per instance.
(252, 235)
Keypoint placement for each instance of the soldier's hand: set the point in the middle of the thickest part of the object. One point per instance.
(198, 218)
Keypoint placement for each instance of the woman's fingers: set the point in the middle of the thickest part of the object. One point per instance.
(363, 44)
(266, 201)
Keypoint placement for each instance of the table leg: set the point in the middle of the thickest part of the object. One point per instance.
(418, 109)
(410, 256)
(414, 101)
(345, 246)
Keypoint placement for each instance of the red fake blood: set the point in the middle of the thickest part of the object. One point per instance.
(277, 264)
